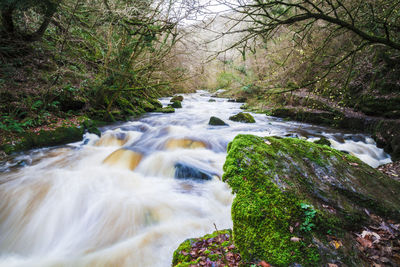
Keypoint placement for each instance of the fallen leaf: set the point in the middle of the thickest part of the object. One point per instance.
(336, 244)
(364, 242)
(332, 265)
(267, 142)
(291, 229)
(353, 164)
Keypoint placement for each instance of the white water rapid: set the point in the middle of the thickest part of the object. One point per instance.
(115, 201)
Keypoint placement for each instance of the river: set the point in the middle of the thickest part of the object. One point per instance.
(83, 204)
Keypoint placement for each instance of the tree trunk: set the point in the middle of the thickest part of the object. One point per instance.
(46, 21)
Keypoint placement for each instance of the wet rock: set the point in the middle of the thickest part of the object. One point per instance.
(243, 117)
(178, 98)
(216, 122)
(287, 187)
(323, 141)
(187, 171)
(124, 158)
(211, 100)
(184, 143)
(90, 127)
(176, 104)
(165, 110)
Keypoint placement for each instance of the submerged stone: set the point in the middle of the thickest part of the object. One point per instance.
(187, 171)
(112, 139)
(124, 158)
(216, 122)
(294, 198)
(243, 117)
(184, 143)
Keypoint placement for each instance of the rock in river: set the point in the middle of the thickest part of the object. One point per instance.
(187, 171)
(216, 122)
(243, 117)
(177, 98)
(294, 199)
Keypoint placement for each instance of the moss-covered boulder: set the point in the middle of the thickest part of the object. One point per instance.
(59, 136)
(176, 104)
(323, 141)
(296, 201)
(176, 98)
(165, 110)
(243, 117)
(216, 122)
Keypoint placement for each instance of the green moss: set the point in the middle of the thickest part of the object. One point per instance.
(179, 257)
(286, 183)
(59, 136)
(323, 141)
(176, 104)
(182, 255)
(165, 110)
(90, 126)
(243, 117)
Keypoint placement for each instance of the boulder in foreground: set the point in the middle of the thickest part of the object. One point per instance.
(297, 202)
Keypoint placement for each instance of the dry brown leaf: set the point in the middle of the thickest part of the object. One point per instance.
(336, 244)
(264, 264)
(364, 242)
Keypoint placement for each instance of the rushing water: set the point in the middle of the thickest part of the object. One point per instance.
(76, 205)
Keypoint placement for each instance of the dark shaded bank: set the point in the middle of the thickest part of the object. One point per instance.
(386, 132)
(299, 202)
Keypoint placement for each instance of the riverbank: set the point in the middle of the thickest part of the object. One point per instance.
(304, 106)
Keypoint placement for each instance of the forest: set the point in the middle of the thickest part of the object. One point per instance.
(292, 106)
